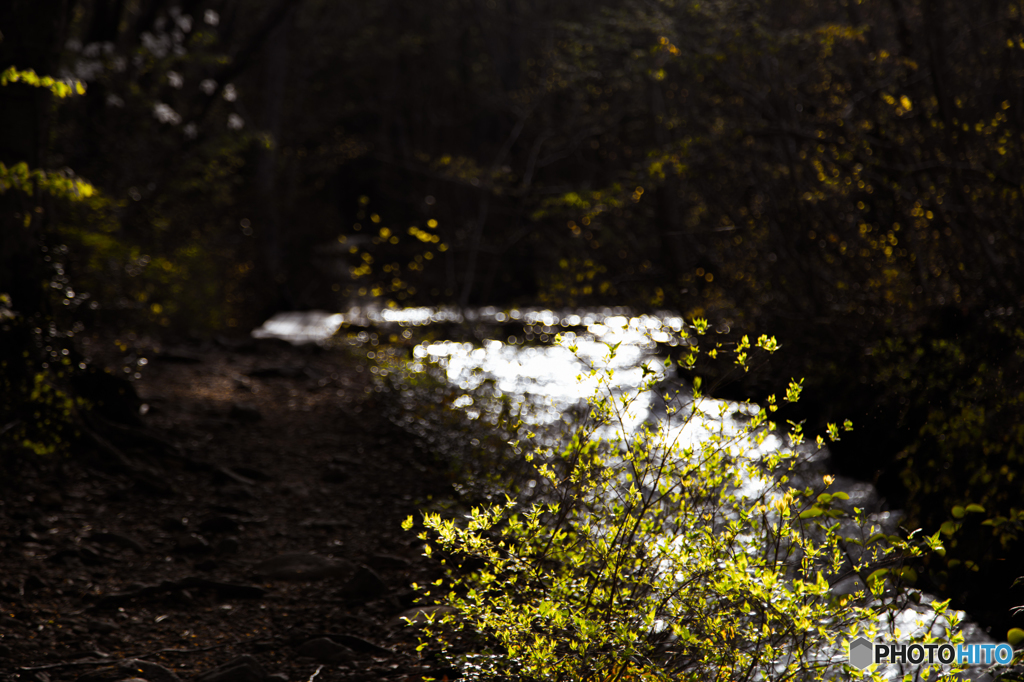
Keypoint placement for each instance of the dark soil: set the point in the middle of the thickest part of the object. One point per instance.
(153, 553)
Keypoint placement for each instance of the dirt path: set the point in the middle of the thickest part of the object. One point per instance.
(271, 531)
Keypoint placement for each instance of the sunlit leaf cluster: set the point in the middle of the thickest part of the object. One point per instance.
(686, 550)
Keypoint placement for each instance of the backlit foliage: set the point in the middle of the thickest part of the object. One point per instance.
(802, 155)
(29, 77)
(383, 262)
(688, 550)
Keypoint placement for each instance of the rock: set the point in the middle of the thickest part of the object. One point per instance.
(152, 672)
(192, 544)
(90, 557)
(119, 540)
(51, 499)
(387, 561)
(220, 524)
(335, 474)
(245, 668)
(33, 583)
(363, 586)
(102, 627)
(108, 674)
(115, 599)
(174, 524)
(225, 590)
(230, 509)
(223, 475)
(420, 615)
(151, 484)
(86, 556)
(238, 493)
(252, 473)
(228, 546)
(359, 645)
(245, 413)
(243, 383)
(299, 566)
(326, 523)
(324, 650)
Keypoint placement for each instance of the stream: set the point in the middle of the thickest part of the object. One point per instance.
(518, 352)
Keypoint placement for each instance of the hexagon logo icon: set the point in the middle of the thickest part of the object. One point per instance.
(860, 653)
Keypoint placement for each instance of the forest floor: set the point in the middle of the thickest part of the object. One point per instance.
(253, 535)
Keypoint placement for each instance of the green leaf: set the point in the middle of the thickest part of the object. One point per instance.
(958, 512)
(811, 513)
(878, 575)
(975, 508)
(908, 574)
(1015, 636)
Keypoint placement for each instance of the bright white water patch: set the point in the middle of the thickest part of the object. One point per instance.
(374, 314)
(553, 377)
(310, 326)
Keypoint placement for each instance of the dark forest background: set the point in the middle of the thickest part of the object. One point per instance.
(845, 175)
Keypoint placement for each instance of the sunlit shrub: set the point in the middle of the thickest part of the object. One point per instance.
(695, 548)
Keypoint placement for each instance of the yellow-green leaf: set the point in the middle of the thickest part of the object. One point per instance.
(878, 575)
(908, 574)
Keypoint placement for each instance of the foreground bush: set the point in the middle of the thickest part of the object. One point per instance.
(689, 550)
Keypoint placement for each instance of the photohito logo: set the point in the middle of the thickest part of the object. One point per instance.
(864, 653)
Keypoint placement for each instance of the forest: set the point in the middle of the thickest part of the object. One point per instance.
(843, 176)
